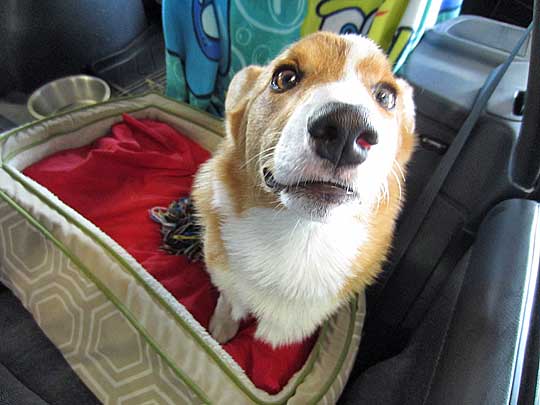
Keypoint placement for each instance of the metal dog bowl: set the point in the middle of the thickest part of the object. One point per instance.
(67, 94)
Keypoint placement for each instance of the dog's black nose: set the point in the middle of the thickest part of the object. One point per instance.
(341, 133)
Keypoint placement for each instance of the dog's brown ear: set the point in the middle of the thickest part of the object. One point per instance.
(406, 120)
(241, 86)
(238, 96)
(407, 104)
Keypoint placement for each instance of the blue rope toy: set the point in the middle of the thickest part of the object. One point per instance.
(181, 234)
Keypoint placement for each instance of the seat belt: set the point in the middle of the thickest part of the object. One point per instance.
(412, 223)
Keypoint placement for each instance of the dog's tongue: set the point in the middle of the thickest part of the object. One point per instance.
(363, 143)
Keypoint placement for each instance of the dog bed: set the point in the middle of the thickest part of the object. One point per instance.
(83, 256)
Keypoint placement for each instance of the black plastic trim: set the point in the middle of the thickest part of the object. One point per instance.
(526, 165)
(484, 355)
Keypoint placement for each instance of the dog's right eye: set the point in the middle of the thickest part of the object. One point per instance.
(285, 78)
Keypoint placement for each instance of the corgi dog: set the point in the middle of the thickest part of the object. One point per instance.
(298, 206)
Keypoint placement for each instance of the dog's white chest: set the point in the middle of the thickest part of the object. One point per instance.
(282, 254)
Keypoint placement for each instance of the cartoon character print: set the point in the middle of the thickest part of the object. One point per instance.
(199, 37)
(340, 16)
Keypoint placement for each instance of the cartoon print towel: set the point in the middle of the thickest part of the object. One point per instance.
(208, 41)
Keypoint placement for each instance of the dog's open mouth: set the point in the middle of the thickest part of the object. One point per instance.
(324, 191)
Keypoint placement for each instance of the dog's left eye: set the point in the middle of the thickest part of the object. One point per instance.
(285, 78)
(385, 96)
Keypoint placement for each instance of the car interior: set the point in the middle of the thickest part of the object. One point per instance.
(455, 317)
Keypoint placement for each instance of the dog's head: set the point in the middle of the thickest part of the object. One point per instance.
(324, 126)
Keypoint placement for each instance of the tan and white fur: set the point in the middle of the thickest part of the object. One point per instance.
(292, 258)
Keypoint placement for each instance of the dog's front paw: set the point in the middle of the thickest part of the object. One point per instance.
(223, 329)
(222, 326)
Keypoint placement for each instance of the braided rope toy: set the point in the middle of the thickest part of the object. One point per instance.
(181, 234)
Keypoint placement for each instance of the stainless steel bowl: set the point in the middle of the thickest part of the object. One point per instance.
(66, 94)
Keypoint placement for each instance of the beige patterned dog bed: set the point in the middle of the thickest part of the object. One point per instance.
(122, 332)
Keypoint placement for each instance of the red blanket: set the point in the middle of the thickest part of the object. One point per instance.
(114, 181)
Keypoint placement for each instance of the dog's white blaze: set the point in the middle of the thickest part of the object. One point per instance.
(361, 48)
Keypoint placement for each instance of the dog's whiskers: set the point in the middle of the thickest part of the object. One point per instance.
(291, 234)
(378, 201)
(266, 153)
(400, 169)
(384, 194)
(279, 210)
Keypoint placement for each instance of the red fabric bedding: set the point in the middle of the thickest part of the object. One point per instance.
(114, 181)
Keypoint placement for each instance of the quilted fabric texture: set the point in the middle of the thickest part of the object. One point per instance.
(82, 321)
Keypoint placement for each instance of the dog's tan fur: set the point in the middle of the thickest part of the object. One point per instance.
(255, 117)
